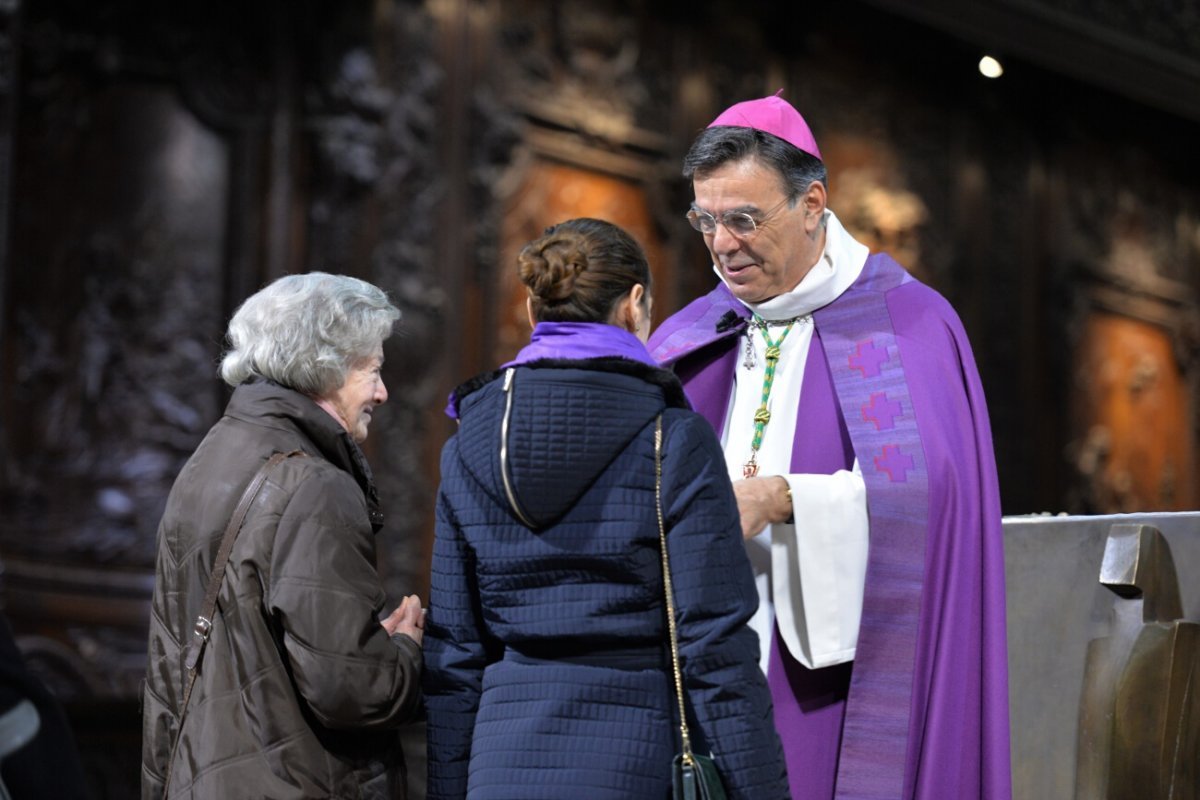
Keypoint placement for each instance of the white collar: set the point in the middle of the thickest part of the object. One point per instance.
(838, 267)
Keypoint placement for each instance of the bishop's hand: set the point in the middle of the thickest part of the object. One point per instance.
(762, 501)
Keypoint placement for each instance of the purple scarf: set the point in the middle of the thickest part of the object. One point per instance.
(574, 341)
(577, 340)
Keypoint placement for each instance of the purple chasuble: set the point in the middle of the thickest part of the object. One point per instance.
(923, 712)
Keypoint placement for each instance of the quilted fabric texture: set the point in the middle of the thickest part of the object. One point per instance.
(547, 662)
(301, 692)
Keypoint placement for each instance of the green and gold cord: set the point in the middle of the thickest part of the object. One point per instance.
(762, 416)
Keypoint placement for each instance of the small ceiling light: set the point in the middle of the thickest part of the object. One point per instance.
(990, 67)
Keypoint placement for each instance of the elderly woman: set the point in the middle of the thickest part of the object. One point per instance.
(303, 683)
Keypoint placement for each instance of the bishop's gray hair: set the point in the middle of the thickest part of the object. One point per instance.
(307, 331)
(723, 144)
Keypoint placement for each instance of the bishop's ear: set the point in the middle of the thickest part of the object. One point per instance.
(814, 199)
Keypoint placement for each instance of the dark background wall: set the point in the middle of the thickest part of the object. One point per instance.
(160, 162)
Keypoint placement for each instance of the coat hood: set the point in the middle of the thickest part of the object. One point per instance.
(537, 436)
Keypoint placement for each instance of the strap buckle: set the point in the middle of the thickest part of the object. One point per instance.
(195, 648)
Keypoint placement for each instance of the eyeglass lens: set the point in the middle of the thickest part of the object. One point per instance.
(739, 223)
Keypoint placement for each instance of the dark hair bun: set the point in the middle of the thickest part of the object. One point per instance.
(551, 265)
(578, 269)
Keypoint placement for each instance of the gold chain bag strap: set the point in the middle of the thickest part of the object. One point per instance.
(693, 777)
(203, 627)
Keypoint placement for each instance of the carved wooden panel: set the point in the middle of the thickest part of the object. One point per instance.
(552, 193)
(131, 162)
(169, 169)
(114, 301)
(568, 127)
(373, 211)
(1134, 431)
(872, 199)
(122, 256)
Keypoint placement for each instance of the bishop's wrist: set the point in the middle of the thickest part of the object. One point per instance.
(786, 511)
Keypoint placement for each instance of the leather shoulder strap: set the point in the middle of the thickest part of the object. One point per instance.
(209, 606)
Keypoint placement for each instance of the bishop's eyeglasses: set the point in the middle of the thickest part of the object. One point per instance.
(740, 224)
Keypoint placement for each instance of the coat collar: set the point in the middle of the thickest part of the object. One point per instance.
(672, 389)
(264, 402)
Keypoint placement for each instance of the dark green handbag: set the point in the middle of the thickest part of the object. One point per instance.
(693, 777)
(697, 779)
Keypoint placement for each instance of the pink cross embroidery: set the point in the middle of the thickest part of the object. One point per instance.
(868, 358)
(882, 411)
(892, 461)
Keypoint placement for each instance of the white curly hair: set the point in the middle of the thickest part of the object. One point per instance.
(307, 331)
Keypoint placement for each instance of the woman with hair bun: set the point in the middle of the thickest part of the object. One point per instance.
(548, 666)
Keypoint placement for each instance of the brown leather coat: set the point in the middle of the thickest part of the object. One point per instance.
(301, 692)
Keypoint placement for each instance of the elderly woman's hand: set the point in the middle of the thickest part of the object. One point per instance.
(408, 618)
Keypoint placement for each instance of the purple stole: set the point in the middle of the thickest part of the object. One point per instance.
(864, 360)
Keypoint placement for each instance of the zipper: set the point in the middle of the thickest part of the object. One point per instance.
(508, 487)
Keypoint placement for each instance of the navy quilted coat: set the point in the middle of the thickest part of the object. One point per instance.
(547, 657)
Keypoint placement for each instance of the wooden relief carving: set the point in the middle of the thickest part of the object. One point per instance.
(1134, 441)
(113, 316)
(576, 87)
(114, 308)
(552, 193)
(869, 194)
(1135, 333)
(581, 64)
(374, 213)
